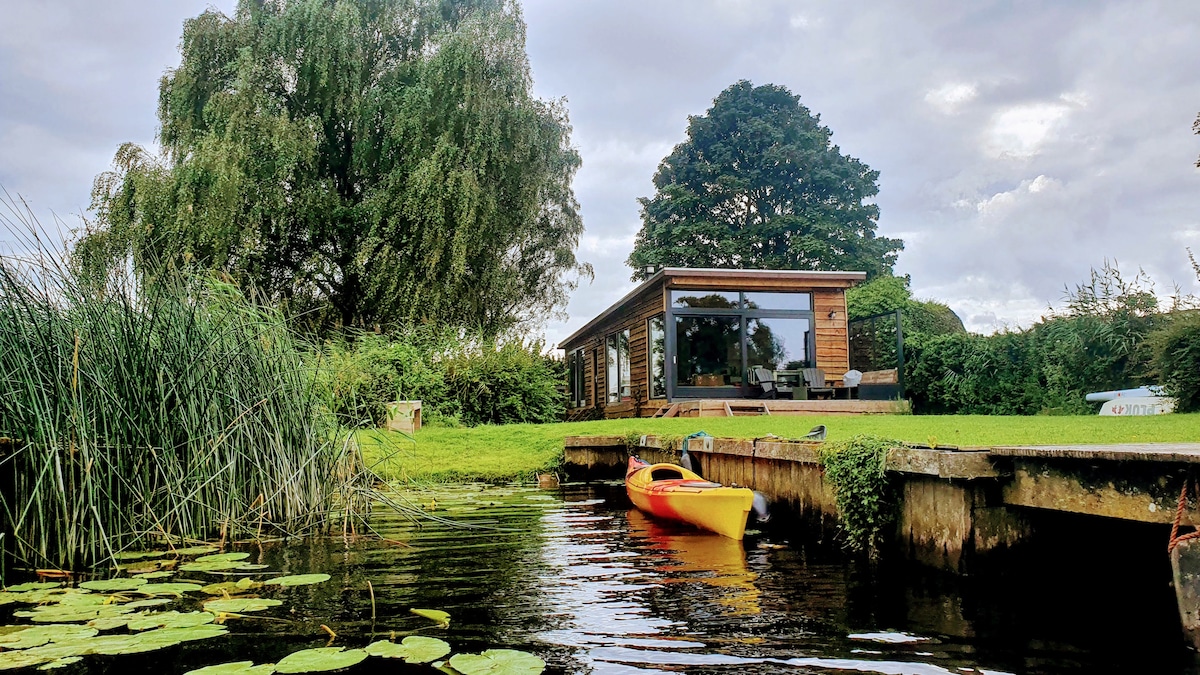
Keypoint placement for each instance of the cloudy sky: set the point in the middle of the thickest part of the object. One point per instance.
(1019, 143)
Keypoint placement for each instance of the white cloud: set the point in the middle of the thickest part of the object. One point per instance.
(1020, 131)
(948, 98)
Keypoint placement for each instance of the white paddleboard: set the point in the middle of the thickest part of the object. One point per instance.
(1139, 405)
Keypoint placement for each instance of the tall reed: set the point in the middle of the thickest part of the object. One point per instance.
(173, 407)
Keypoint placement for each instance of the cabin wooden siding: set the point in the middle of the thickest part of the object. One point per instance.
(831, 335)
(633, 316)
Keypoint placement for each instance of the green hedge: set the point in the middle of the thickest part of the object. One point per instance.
(459, 378)
(1177, 360)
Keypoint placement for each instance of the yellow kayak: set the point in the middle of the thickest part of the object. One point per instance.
(672, 492)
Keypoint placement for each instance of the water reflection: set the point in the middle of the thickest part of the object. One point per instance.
(592, 587)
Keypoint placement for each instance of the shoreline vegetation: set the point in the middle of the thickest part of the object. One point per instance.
(518, 452)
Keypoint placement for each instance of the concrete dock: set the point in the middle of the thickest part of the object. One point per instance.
(956, 505)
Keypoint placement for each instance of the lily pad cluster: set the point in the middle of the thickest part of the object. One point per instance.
(127, 615)
(415, 649)
(124, 615)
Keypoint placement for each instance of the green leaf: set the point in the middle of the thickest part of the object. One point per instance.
(436, 615)
(35, 636)
(210, 566)
(171, 620)
(154, 575)
(498, 662)
(152, 602)
(240, 605)
(320, 659)
(176, 589)
(195, 550)
(138, 555)
(153, 640)
(234, 668)
(414, 649)
(231, 587)
(33, 586)
(223, 557)
(113, 585)
(298, 579)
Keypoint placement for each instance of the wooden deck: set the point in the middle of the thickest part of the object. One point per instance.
(749, 407)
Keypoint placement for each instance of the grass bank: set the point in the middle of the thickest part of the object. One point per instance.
(518, 451)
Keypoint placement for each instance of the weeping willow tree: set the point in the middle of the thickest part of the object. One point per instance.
(358, 161)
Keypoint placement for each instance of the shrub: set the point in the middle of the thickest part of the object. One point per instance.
(1176, 349)
(865, 498)
(459, 378)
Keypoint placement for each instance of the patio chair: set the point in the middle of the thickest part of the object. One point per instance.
(766, 380)
(814, 378)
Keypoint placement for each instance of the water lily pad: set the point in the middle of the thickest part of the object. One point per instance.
(414, 649)
(498, 662)
(235, 668)
(155, 575)
(210, 566)
(33, 586)
(69, 614)
(36, 636)
(435, 615)
(240, 605)
(223, 557)
(171, 620)
(195, 550)
(231, 587)
(152, 602)
(75, 598)
(113, 585)
(177, 588)
(11, 660)
(298, 580)
(138, 555)
(112, 622)
(61, 663)
(319, 660)
(153, 640)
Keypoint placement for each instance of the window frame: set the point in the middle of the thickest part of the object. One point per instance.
(741, 390)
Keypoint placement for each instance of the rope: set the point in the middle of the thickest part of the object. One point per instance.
(1177, 538)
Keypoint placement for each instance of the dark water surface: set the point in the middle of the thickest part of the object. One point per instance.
(589, 585)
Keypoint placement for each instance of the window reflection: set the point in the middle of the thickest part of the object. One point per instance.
(709, 351)
(790, 301)
(656, 344)
(705, 299)
(777, 344)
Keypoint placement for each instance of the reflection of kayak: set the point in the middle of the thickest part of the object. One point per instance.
(672, 492)
(693, 557)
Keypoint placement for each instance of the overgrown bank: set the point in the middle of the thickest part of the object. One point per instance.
(135, 411)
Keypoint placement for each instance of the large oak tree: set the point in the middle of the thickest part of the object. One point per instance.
(758, 184)
(362, 161)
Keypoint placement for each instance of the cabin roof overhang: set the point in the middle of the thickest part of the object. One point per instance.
(720, 278)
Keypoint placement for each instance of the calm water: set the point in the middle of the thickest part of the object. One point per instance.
(590, 586)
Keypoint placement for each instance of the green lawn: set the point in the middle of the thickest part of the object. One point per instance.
(518, 451)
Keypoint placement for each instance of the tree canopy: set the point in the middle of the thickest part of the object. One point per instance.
(759, 184)
(363, 161)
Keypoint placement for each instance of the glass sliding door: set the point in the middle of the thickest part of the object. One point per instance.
(719, 344)
(708, 352)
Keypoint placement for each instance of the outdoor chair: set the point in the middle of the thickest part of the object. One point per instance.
(814, 378)
(766, 380)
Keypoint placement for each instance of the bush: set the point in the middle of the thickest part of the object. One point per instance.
(459, 378)
(1176, 349)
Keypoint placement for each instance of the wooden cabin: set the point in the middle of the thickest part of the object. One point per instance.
(712, 334)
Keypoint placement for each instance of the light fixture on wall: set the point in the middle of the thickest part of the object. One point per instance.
(832, 313)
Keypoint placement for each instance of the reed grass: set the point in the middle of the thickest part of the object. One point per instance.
(141, 407)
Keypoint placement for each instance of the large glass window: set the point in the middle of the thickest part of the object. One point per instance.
(709, 351)
(777, 344)
(705, 299)
(617, 350)
(656, 356)
(576, 379)
(786, 301)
